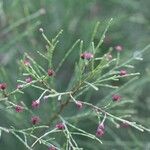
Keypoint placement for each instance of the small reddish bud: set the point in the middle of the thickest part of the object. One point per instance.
(100, 132)
(60, 126)
(35, 104)
(50, 72)
(101, 126)
(87, 55)
(118, 48)
(116, 97)
(122, 72)
(52, 148)
(3, 86)
(26, 63)
(19, 108)
(28, 80)
(35, 120)
(79, 104)
(19, 86)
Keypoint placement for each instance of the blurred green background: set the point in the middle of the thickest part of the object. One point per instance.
(20, 21)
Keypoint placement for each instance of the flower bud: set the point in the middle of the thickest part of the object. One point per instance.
(118, 48)
(50, 72)
(19, 86)
(19, 108)
(3, 86)
(26, 62)
(100, 132)
(35, 104)
(122, 72)
(87, 55)
(101, 126)
(79, 104)
(35, 120)
(116, 97)
(60, 126)
(28, 80)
